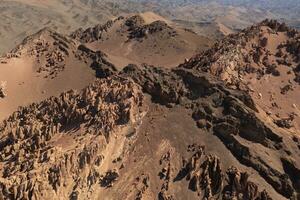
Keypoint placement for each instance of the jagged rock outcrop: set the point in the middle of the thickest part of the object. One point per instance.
(206, 177)
(3, 89)
(204, 174)
(102, 67)
(297, 73)
(134, 22)
(140, 186)
(165, 88)
(109, 178)
(93, 33)
(239, 187)
(137, 30)
(53, 149)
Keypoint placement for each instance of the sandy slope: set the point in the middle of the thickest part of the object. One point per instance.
(25, 86)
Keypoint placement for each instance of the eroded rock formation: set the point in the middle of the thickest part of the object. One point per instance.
(207, 178)
(2, 89)
(54, 149)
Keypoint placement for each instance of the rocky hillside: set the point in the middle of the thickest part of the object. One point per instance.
(231, 116)
(263, 60)
(50, 50)
(142, 38)
(46, 64)
(111, 136)
(54, 149)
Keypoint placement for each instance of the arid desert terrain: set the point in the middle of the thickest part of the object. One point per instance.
(146, 100)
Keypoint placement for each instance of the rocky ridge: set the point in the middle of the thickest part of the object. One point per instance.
(142, 38)
(262, 59)
(50, 50)
(248, 52)
(230, 115)
(135, 25)
(93, 33)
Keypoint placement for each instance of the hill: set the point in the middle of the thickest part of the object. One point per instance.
(43, 65)
(143, 38)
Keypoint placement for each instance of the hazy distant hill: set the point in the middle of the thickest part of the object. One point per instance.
(20, 18)
(254, 10)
